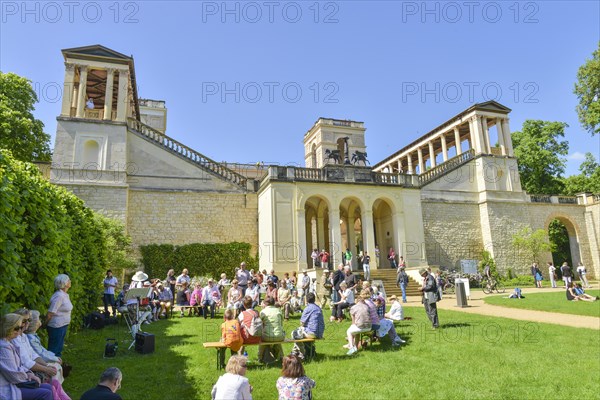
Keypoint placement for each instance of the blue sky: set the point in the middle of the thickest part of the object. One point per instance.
(243, 81)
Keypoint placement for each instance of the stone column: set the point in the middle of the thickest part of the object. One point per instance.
(321, 233)
(335, 241)
(301, 244)
(399, 166)
(108, 97)
(472, 135)
(369, 236)
(431, 155)
(478, 135)
(500, 135)
(507, 138)
(351, 235)
(122, 96)
(444, 149)
(457, 141)
(409, 162)
(421, 164)
(486, 135)
(83, 72)
(68, 89)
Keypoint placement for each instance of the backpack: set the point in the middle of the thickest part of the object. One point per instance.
(256, 326)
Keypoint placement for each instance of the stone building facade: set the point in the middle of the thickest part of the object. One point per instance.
(441, 199)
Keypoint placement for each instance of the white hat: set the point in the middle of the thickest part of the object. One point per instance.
(139, 277)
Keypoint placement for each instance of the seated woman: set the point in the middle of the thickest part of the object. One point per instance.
(253, 292)
(572, 296)
(12, 371)
(271, 291)
(196, 298)
(361, 322)
(293, 383)
(36, 345)
(396, 312)
(234, 298)
(32, 361)
(233, 385)
(231, 335)
(246, 318)
(346, 301)
(283, 298)
(183, 296)
(165, 298)
(578, 293)
(516, 294)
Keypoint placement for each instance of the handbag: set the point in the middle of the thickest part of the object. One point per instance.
(28, 385)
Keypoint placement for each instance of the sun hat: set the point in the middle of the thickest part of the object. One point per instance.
(393, 297)
(422, 271)
(139, 277)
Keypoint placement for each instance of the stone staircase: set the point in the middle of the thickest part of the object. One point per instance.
(388, 277)
(446, 167)
(188, 154)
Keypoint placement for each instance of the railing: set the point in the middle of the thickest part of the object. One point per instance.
(445, 167)
(567, 199)
(540, 198)
(183, 151)
(342, 174)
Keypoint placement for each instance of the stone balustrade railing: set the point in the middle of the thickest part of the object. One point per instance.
(183, 151)
(445, 167)
(544, 198)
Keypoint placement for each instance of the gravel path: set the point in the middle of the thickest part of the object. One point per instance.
(477, 306)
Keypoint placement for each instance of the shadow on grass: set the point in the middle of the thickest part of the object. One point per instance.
(86, 350)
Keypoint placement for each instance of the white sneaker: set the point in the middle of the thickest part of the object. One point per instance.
(352, 351)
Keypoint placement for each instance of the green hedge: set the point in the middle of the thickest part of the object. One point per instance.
(45, 231)
(201, 259)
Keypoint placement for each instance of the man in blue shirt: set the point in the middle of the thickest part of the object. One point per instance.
(313, 327)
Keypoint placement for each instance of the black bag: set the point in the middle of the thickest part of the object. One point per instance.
(28, 385)
(110, 349)
(97, 321)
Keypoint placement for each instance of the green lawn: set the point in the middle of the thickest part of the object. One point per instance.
(554, 302)
(469, 357)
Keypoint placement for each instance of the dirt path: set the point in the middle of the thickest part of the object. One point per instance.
(477, 306)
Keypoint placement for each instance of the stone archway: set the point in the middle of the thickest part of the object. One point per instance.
(573, 233)
(384, 229)
(316, 210)
(351, 227)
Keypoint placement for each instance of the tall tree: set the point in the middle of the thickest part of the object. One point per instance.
(541, 155)
(587, 89)
(532, 243)
(587, 181)
(20, 131)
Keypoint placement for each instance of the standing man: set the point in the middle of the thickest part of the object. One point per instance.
(338, 277)
(110, 382)
(402, 282)
(324, 256)
(366, 264)
(325, 288)
(567, 274)
(305, 286)
(552, 274)
(430, 297)
(348, 257)
(243, 276)
(110, 283)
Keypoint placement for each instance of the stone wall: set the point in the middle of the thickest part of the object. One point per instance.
(110, 201)
(178, 217)
(452, 232)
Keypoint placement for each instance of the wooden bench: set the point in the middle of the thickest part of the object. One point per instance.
(365, 337)
(220, 346)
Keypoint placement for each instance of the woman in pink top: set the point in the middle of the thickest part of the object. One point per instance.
(59, 315)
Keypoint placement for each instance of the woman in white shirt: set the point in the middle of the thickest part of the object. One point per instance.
(396, 312)
(233, 385)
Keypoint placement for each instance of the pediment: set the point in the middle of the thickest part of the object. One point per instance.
(492, 106)
(95, 51)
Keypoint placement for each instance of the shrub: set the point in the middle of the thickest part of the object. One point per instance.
(45, 231)
(202, 259)
(519, 280)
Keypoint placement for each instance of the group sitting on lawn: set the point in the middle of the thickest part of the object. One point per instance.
(576, 293)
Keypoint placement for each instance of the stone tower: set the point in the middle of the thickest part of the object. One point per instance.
(333, 137)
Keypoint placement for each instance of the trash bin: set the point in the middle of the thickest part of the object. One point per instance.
(461, 295)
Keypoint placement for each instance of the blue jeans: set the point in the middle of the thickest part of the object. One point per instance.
(44, 392)
(403, 288)
(205, 305)
(56, 339)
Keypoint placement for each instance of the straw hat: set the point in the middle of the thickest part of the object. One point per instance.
(139, 277)
(393, 297)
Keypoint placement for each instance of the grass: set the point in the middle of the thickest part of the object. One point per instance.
(469, 357)
(553, 302)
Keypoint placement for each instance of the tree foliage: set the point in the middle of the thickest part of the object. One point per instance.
(487, 259)
(587, 181)
(119, 252)
(44, 231)
(559, 237)
(541, 156)
(20, 131)
(587, 89)
(532, 243)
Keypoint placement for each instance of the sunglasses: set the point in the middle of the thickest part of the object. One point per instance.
(17, 329)
(25, 321)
